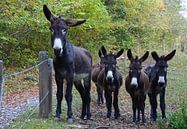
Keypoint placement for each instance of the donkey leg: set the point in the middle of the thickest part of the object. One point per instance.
(68, 97)
(98, 94)
(150, 101)
(134, 106)
(162, 103)
(81, 90)
(138, 114)
(59, 96)
(143, 108)
(102, 99)
(108, 97)
(115, 104)
(138, 102)
(153, 102)
(87, 86)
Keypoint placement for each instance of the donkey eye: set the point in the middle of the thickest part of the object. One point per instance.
(63, 31)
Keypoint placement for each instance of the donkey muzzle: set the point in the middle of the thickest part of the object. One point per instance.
(58, 52)
(161, 84)
(161, 81)
(134, 82)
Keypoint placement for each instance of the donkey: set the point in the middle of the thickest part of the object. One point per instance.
(96, 69)
(137, 85)
(71, 63)
(111, 80)
(158, 81)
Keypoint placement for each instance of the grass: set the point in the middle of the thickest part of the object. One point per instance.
(176, 120)
(177, 82)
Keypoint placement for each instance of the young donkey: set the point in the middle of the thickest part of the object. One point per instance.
(110, 79)
(158, 80)
(71, 64)
(137, 85)
(96, 69)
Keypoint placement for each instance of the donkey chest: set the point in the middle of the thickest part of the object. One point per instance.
(156, 89)
(139, 92)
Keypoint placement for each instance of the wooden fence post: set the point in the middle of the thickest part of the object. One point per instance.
(45, 85)
(1, 85)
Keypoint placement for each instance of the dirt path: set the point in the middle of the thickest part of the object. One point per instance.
(100, 121)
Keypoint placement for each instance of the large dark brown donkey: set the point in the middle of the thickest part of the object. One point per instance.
(137, 85)
(111, 80)
(96, 69)
(158, 80)
(71, 64)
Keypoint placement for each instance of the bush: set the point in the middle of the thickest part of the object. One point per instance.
(176, 120)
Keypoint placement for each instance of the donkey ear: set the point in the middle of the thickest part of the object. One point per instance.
(103, 50)
(47, 13)
(73, 22)
(155, 55)
(100, 53)
(119, 53)
(144, 57)
(170, 55)
(129, 54)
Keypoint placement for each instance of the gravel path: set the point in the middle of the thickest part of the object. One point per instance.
(15, 104)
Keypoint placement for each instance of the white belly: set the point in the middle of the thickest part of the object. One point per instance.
(80, 76)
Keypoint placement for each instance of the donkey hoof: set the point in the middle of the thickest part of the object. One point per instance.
(89, 116)
(57, 118)
(143, 121)
(164, 118)
(116, 116)
(153, 119)
(108, 115)
(82, 117)
(70, 120)
(137, 120)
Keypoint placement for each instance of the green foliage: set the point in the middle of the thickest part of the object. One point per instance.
(113, 23)
(176, 120)
(24, 28)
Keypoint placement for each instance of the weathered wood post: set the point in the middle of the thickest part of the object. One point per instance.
(1, 83)
(45, 85)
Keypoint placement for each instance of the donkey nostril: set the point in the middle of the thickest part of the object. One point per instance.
(58, 51)
(134, 86)
(109, 79)
(161, 84)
